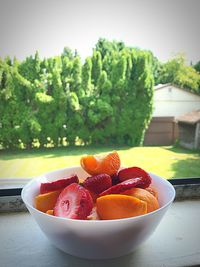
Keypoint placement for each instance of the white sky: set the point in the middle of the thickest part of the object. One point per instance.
(164, 27)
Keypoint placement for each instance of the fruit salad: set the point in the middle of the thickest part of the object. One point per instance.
(109, 192)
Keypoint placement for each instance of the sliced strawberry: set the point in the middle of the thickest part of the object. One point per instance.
(134, 172)
(58, 184)
(115, 179)
(98, 183)
(94, 196)
(74, 202)
(119, 188)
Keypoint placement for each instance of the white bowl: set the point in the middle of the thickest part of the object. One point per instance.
(97, 239)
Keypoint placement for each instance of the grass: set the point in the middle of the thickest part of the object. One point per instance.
(167, 162)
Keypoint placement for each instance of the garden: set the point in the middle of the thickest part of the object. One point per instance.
(168, 162)
(53, 110)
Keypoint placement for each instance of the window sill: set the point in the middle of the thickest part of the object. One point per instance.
(10, 192)
(175, 242)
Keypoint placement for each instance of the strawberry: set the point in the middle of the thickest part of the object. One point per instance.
(127, 184)
(98, 183)
(58, 184)
(74, 202)
(134, 172)
(115, 179)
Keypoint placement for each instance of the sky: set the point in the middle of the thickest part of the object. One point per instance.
(164, 27)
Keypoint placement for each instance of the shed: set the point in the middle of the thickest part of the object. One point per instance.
(170, 102)
(189, 129)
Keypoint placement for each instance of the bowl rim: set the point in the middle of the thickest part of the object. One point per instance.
(94, 221)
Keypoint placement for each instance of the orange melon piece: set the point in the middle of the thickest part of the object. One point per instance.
(116, 206)
(50, 212)
(144, 195)
(95, 164)
(153, 191)
(45, 202)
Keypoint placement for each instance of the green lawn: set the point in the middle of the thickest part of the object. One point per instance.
(167, 162)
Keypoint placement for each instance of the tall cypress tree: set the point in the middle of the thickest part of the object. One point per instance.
(8, 107)
(86, 77)
(96, 66)
(75, 84)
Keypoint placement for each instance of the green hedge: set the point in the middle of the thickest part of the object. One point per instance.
(58, 101)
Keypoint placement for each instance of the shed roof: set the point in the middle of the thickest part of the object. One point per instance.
(161, 86)
(190, 118)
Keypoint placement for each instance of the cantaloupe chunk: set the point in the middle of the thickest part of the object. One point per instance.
(116, 206)
(45, 202)
(153, 191)
(49, 212)
(144, 195)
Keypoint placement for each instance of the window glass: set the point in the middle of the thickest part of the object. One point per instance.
(67, 90)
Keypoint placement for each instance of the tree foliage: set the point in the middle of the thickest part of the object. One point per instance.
(107, 99)
(177, 72)
(197, 66)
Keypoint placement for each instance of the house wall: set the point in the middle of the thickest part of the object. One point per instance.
(174, 101)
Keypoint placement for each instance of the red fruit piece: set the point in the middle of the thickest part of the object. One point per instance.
(74, 202)
(135, 172)
(58, 184)
(98, 183)
(115, 179)
(119, 188)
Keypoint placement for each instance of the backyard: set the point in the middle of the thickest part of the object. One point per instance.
(166, 161)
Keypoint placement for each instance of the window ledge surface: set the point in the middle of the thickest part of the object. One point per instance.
(175, 242)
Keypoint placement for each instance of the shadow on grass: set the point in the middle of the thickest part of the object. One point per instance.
(186, 168)
(181, 150)
(58, 152)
